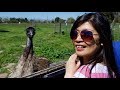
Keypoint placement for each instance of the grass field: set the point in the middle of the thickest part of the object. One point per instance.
(55, 47)
(116, 32)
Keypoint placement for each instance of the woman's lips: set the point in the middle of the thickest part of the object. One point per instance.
(80, 48)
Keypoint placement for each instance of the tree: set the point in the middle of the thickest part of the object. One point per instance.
(57, 19)
(62, 21)
(71, 20)
(0, 20)
(5, 20)
(13, 20)
(116, 17)
(109, 15)
(52, 21)
(26, 20)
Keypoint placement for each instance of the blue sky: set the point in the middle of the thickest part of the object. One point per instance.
(41, 15)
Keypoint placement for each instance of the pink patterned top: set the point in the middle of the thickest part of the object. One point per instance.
(98, 71)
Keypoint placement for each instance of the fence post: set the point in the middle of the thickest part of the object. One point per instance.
(60, 28)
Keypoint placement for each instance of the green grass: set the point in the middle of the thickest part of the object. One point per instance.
(55, 47)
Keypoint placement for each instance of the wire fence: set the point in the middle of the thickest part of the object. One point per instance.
(63, 27)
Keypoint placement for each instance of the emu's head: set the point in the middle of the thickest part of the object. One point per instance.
(30, 32)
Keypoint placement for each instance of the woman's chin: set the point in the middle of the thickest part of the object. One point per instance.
(81, 54)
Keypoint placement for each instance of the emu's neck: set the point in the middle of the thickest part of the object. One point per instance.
(29, 48)
(29, 43)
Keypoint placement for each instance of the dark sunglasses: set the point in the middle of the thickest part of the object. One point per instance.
(86, 35)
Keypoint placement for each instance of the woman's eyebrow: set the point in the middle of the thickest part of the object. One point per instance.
(86, 29)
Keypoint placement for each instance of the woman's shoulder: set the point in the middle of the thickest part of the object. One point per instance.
(100, 68)
(98, 71)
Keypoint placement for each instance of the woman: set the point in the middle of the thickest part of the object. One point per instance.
(93, 57)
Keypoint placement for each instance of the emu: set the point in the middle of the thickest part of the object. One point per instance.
(28, 63)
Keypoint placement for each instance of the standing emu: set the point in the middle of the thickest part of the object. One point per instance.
(28, 63)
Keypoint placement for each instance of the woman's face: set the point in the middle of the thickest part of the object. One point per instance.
(85, 48)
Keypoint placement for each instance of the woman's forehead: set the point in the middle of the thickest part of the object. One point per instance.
(87, 26)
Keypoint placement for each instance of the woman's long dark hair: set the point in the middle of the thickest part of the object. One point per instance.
(102, 26)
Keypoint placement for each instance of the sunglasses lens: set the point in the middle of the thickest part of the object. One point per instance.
(73, 34)
(87, 36)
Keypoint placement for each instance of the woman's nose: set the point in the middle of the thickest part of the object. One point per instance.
(79, 38)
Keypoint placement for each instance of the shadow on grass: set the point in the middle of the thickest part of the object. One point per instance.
(4, 30)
